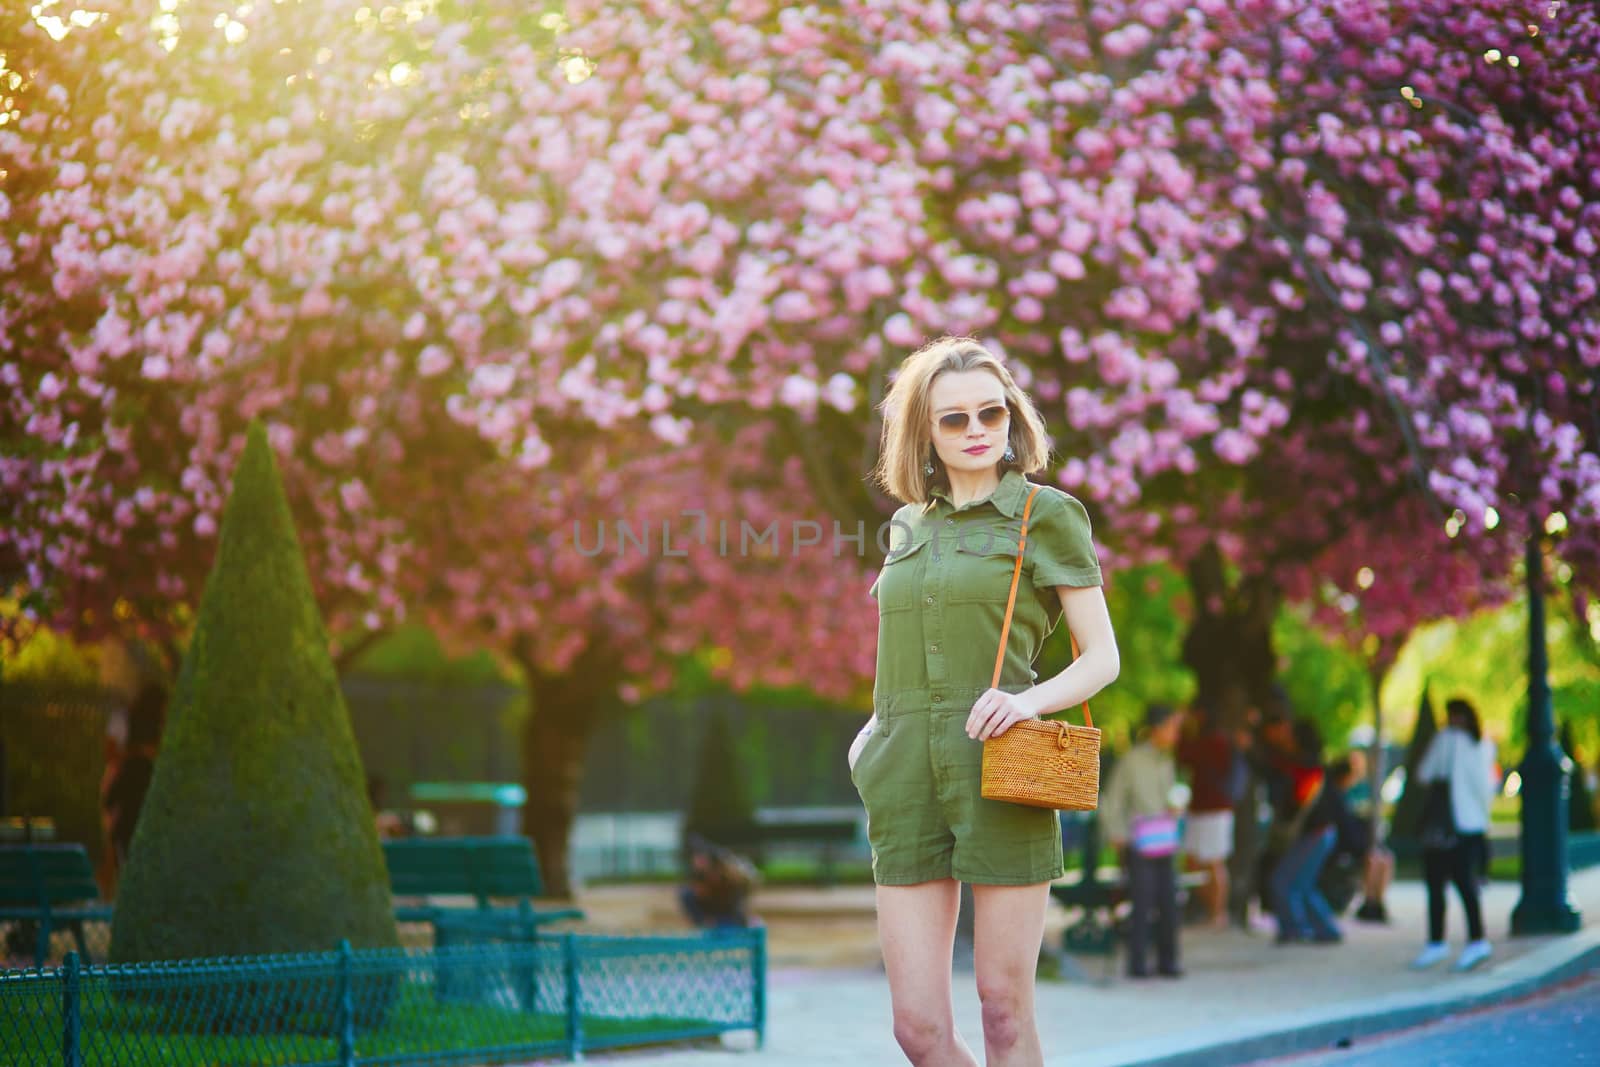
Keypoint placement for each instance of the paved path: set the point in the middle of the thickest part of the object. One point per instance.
(840, 1014)
(1560, 1027)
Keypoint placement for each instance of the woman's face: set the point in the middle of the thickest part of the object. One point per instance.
(969, 420)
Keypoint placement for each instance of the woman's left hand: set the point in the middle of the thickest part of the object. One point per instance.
(995, 712)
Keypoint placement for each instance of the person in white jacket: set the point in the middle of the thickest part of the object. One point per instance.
(1460, 756)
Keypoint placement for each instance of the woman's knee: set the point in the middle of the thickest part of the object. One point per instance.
(923, 1035)
(1007, 1003)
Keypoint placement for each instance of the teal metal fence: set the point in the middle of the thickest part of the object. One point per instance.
(554, 996)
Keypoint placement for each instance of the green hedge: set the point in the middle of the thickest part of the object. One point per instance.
(256, 835)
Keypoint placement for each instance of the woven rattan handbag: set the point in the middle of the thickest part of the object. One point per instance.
(1042, 763)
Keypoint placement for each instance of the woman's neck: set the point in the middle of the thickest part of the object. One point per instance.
(967, 486)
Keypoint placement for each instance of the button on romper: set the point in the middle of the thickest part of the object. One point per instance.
(941, 600)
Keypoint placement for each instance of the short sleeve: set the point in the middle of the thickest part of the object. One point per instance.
(1062, 545)
(898, 524)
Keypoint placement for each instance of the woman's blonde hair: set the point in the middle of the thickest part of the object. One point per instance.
(907, 441)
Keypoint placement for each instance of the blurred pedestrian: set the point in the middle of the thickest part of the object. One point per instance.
(114, 747)
(122, 796)
(720, 881)
(1457, 770)
(1208, 753)
(389, 823)
(1352, 866)
(1377, 866)
(1309, 834)
(1270, 752)
(1139, 820)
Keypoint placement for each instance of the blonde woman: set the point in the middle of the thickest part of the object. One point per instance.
(959, 438)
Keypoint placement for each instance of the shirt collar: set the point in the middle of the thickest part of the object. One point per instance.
(1008, 497)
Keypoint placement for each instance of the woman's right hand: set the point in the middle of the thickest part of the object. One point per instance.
(860, 742)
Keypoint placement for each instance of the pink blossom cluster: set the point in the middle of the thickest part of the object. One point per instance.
(1426, 178)
(646, 555)
(1271, 268)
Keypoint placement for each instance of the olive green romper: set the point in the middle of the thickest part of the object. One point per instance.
(941, 599)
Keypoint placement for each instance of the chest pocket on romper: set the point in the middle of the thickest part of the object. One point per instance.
(899, 583)
(981, 565)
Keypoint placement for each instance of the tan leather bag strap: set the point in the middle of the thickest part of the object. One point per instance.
(1011, 602)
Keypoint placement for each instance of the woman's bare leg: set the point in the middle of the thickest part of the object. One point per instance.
(1217, 893)
(917, 932)
(1008, 929)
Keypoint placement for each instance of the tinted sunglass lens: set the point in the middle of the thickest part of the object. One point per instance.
(958, 421)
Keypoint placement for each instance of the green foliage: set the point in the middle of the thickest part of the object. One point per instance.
(54, 740)
(721, 798)
(1323, 677)
(53, 714)
(46, 658)
(256, 835)
(1149, 615)
(414, 653)
(1484, 658)
(1580, 799)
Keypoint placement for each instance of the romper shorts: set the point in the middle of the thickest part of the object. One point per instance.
(920, 778)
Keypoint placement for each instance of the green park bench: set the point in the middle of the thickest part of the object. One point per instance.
(824, 837)
(1097, 891)
(485, 869)
(45, 888)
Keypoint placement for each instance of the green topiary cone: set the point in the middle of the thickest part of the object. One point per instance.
(256, 835)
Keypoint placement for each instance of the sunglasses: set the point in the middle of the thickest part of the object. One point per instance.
(990, 418)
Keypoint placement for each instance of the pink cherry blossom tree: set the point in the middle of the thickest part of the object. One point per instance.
(253, 226)
(1275, 270)
(1422, 219)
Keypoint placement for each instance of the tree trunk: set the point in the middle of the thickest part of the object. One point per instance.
(1229, 644)
(555, 742)
(1229, 648)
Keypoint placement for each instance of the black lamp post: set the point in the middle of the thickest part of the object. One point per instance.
(1545, 906)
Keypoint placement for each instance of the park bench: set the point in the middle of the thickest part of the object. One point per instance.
(49, 887)
(827, 837)
(1097, 891)
(485, 869)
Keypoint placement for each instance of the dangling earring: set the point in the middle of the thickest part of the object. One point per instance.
(927, 468)
(1009, 455)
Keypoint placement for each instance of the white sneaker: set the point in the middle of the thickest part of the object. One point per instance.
(1433, 953)
(1475, 953)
